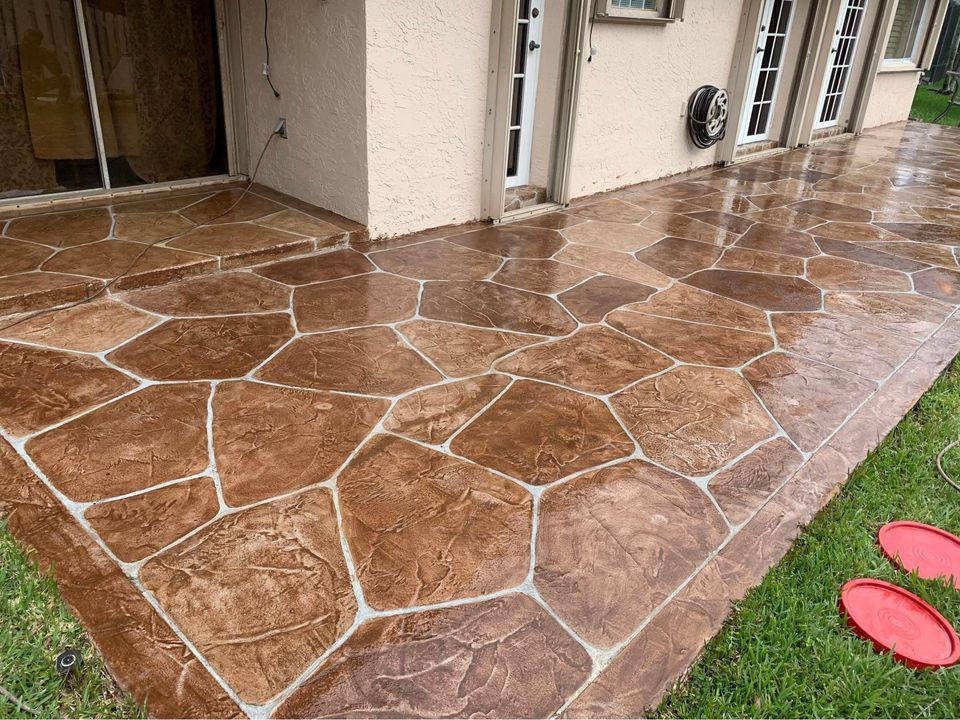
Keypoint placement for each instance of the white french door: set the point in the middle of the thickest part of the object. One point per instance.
(767, 70)
(840, 65)
(523, 96)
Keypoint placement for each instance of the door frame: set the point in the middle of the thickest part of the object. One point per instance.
(528, 96)
(232, 98)
(844, 5)
(742, 68)
(503, 43)
(751, 89)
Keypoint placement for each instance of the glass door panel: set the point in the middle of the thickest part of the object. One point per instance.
(155, 65)
(47, 141)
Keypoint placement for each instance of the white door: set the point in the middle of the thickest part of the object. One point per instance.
(523, 96)
(767, 69)
(840, 65)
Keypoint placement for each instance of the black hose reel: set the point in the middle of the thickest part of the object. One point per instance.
(707, 116)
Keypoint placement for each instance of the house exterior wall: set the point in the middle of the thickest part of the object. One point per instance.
(629, 126)
(387, 103)
(317, 58)
(426, 99)
(891, 98)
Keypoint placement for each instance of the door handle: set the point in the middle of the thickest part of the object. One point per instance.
(533, 45)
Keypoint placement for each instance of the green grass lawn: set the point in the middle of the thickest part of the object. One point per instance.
(35, 626)
(928, 103)
(786, 652)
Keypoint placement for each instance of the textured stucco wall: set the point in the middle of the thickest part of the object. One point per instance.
(317, 63)
(891, 98)
(426, 96)
(629, 127)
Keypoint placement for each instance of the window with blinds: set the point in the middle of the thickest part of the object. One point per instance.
(905, 31)
(641, 11)
(635, 4)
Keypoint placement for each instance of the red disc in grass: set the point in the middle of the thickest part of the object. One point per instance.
(895, 619)
(932, 552)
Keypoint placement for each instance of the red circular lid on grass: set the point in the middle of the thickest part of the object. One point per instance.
(895, 619)
(932, 552)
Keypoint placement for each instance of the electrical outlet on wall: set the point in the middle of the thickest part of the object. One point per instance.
(281, 128)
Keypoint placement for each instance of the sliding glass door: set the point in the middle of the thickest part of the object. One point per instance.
(150, 68)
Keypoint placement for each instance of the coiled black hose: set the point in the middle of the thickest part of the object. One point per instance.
(707, 116)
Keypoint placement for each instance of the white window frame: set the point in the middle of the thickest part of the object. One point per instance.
(665, 11)
(912, 61)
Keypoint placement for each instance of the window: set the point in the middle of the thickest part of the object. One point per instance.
(639, 11)
(905, 33)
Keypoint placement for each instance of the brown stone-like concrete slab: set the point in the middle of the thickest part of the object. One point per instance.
(832, 273)
(595, 360)
(612, 544)
(898, 312)
(269, 440)
(737, 258)
(120, 621)
(612, 235)
(41, 387)
(317, 268)
(63, 230)
(150, 227)
(514, 241)
(204, 349)
(141, 525)
(434, 414)
(91, 327)
(612, 210)
(222, 294)
(425, 528)
(694, 420)
(810, 400)
(743, 488)
(460, 350)
(677, 257)
(39, 290)
(437, 260)
(591, 300)
(375, 298)
(18, 257)
(230, 206)
(693, 343)
(772, 238)
(843, 342)
(372, 361)
(540, 276)
(240, 244)
(688, 228)
(485, 304)
(261, 593)
(939, 283)
(503, 657)
(683, 302)
(614, 263)
(768, 292)
(150, 437)
(540, 433)
(139, 264)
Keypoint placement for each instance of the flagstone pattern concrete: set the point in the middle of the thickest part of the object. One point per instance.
(524, 470)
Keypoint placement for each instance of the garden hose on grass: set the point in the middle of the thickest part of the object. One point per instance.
(943, 473)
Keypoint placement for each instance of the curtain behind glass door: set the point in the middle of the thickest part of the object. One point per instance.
(46, 134)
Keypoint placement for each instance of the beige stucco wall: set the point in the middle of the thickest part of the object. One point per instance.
(891, 98)
(426, 96)
(629, 125)
(317, 62)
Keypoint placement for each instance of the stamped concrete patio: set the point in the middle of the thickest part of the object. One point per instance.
(511, 471)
